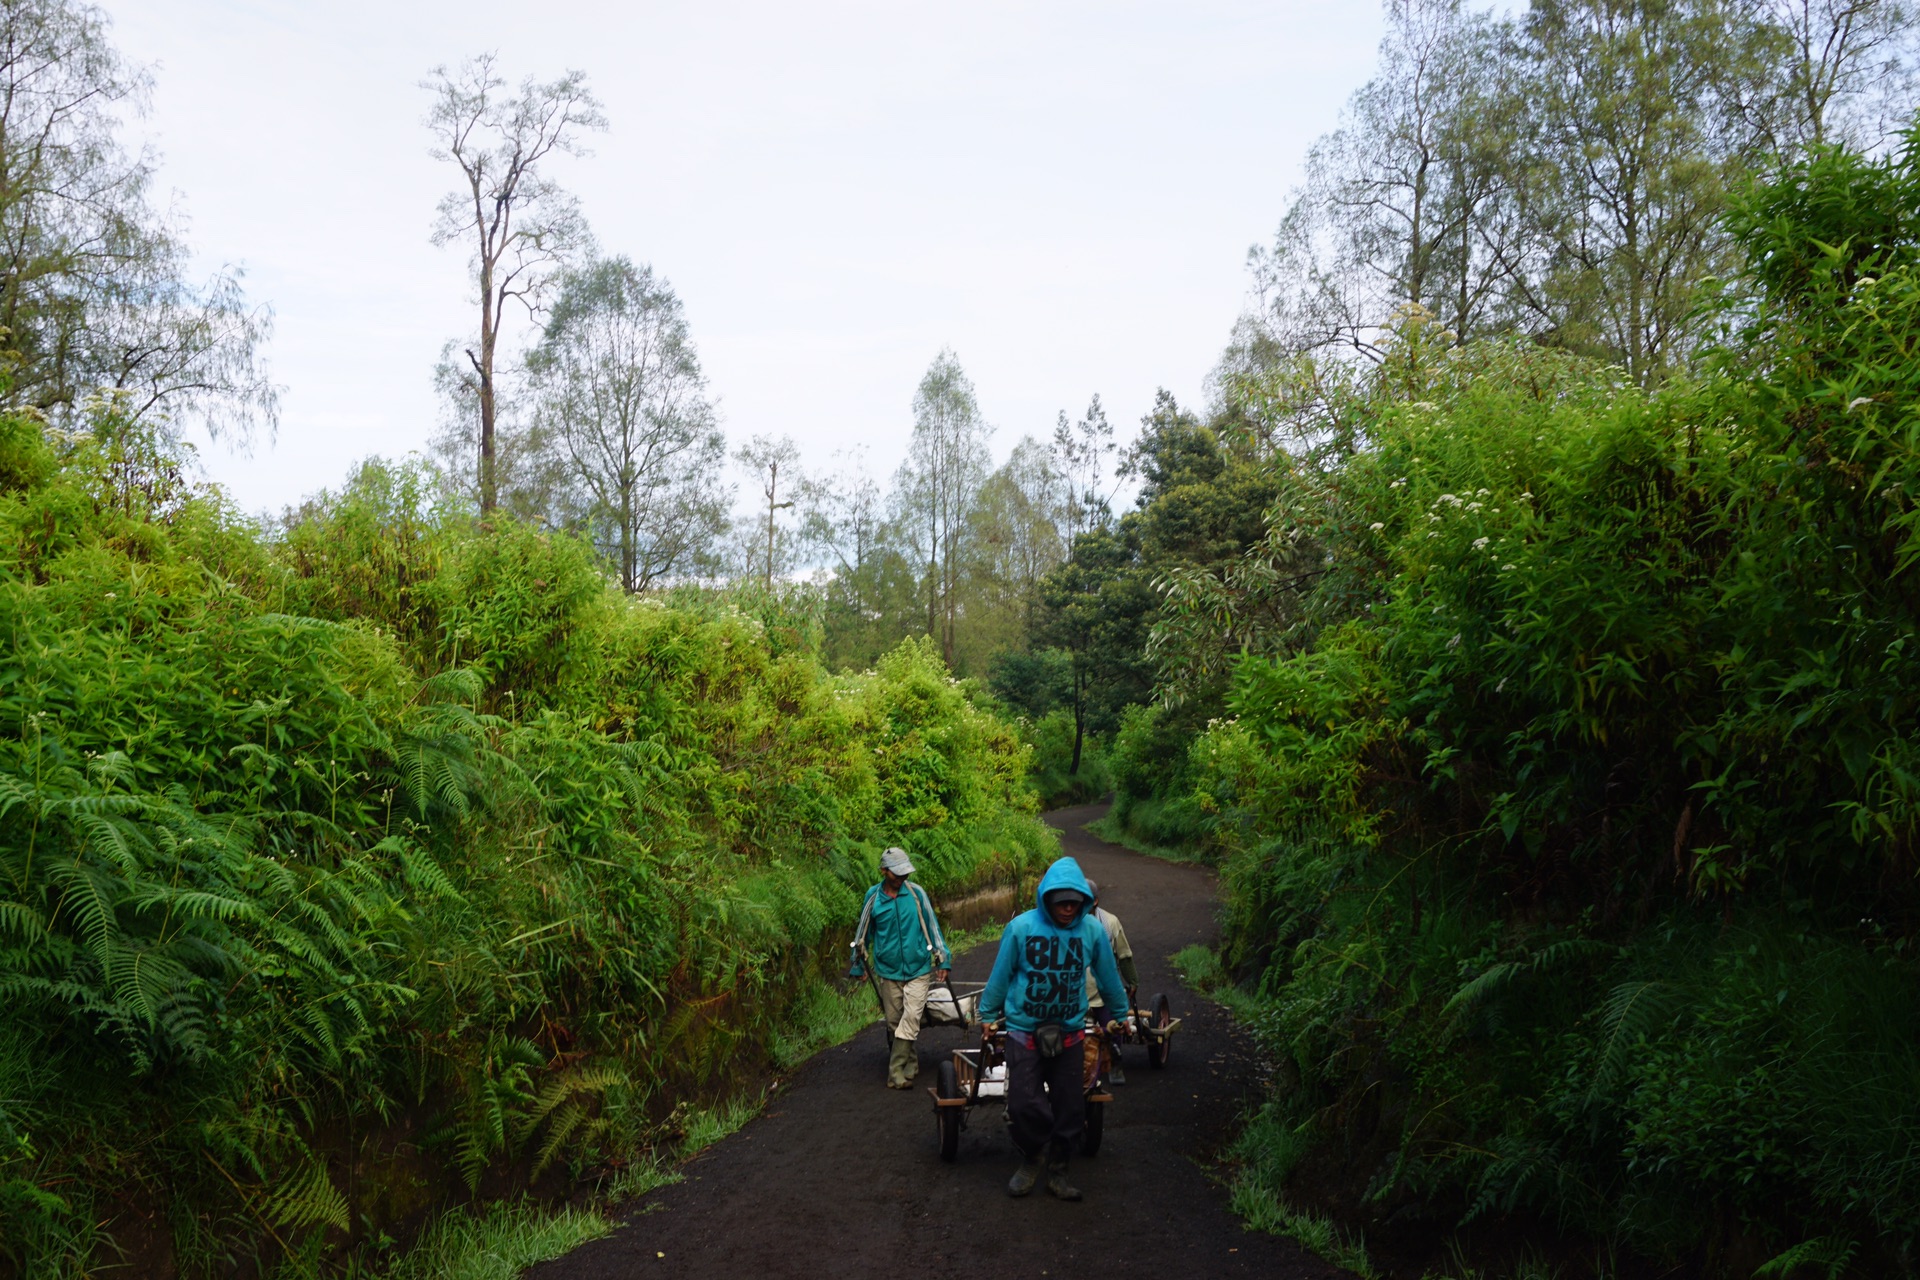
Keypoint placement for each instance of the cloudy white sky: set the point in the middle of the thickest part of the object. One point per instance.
(1063, 193)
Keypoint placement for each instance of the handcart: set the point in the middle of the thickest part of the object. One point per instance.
(971, 1077)
(1152, 1027)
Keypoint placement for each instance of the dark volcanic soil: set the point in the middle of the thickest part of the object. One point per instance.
(841, 1176)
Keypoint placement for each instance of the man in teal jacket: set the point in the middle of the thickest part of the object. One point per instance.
(899, 938)
(1039, 988)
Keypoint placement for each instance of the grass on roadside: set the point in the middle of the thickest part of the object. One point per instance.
(508, 1237)
(707, 1126)
(1265, 1153)
(825, 1015)
(1199, 967)
(960, 941)
(498, 1242)
(1113, 832)
(1269, 1148)
(1529, 1266)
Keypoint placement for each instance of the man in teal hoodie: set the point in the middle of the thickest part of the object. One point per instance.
(1039, 989)
(899, 936)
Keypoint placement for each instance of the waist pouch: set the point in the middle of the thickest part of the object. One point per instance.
(1049, 1038)
(1029, 1040)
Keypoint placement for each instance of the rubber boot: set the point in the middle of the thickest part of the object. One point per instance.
(903, 1066)
(1027, 1176)
(1057, 1185)
(1115, 1073)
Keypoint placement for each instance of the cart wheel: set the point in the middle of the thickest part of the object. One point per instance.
(1158, 1047)
(1096, 1125)
(948, 1118)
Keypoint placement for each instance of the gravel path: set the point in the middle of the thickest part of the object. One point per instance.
(840, 1176)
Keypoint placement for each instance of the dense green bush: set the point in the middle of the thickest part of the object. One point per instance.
(1574, 868)
(1053, 777)
(400, 857)
(1153, 779)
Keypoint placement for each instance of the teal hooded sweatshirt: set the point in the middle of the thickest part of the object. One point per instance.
(1040, 974)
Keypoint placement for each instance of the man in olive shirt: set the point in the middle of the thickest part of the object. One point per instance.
(1123, 959)
(899, 939)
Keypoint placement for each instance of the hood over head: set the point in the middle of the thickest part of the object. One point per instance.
(1063, 874)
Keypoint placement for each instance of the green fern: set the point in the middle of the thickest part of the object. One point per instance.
(307, 1198)
(564, 1105)
(1832, 1254)
(1628, 1014)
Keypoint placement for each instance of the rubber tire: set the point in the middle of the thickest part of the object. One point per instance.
(948, 1118)
(1095, 1130)
(1159, 1047)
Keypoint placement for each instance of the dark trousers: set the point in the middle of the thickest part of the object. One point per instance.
(1045, 1099)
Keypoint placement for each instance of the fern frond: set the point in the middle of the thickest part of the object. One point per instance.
(21, 920)
(112, 766)
(1496, 978)
(214, 906)
(1629, 1012)
(1834, 1253)
(87, 901)
(319, 1033)
(106, 839)
(454, 685)
(565, 1121)
(15, 791)
(308, 1198)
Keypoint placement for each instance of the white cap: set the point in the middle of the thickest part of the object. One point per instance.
(896, 861)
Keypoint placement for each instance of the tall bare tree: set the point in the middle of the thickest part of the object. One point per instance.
(530, 473)
(947, 462)
(1079, 462)
(774, 464)
(619, 396)
(520, 225)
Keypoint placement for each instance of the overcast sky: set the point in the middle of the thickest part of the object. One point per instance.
(1064, 193)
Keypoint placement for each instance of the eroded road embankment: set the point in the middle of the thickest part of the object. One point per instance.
(841, 1177)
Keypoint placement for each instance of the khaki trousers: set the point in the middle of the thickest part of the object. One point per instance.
(903, 1002)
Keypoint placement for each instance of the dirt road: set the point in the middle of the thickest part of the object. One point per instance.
(841, 1177)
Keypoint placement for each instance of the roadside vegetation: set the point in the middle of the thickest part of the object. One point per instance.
(1524, 626)
(1566, 838)
(399, 857)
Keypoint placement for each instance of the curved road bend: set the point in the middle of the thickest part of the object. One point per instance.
(840, 1176)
